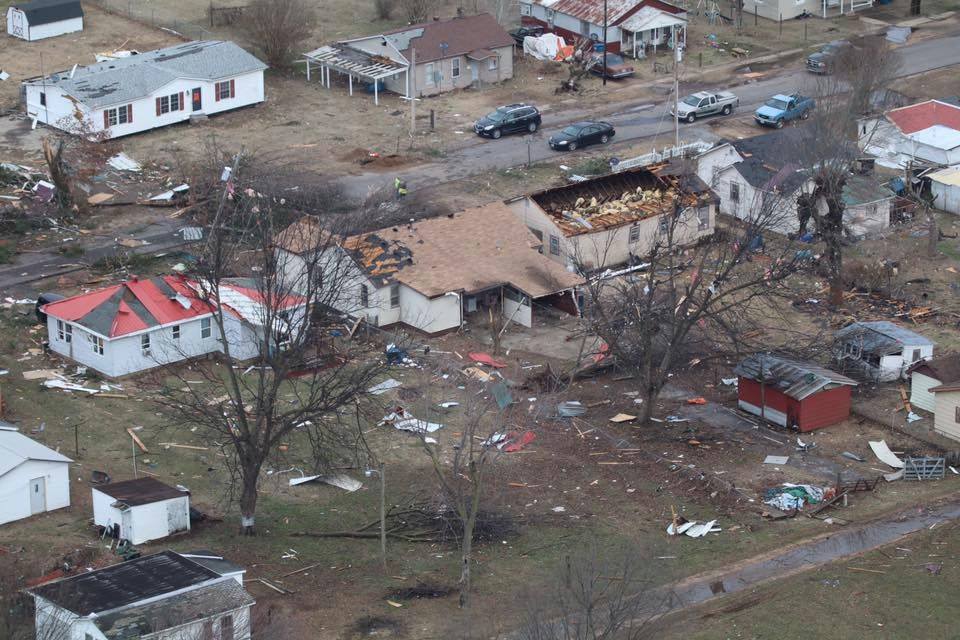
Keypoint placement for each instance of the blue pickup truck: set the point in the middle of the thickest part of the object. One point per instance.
(781, 109)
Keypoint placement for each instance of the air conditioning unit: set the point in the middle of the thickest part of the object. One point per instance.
(373, 320)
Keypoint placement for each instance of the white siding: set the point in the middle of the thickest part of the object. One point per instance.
(41, 31)
(780, 9)
(146, 521)
(712, 162)
(947, 196)
(920, 395)
(60, 111)
(430, 315)
(945, 414)
(15, 488)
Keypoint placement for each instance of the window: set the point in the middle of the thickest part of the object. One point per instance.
(43, 99)
(524, 9)
(145, 344)
(915, 356)
(176, 331)
(634, 234)
(734, 192)
(226, 628)
(166, 104)
(394, 296)
(205, 327)
(554, 245)
(538, 233)
(225, 90)
(956, 415)
(207, 630)
(96, 344)
(64, 331)
(551, 15)
(585, 28)
(664, 224)
(364, 296)
(455, 68)
(428, 72)
(493, 63)
(703, 219)
(119, 115)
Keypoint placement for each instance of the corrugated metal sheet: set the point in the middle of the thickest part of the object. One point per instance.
(591, 10)
(949, 176)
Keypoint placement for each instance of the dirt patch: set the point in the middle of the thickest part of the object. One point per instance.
(372, 160)
(376, 627)
(422, 590)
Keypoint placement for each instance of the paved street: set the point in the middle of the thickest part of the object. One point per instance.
(632, 123)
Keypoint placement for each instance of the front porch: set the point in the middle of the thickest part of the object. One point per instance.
(651, 29)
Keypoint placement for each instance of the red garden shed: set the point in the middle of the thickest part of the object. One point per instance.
(793, 394)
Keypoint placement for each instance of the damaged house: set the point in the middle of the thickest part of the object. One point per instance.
(792, 394)
(925, 375)
(755, 177)
(145, 323)
(926, 133)
(880, 350)
(122, 96)
(162, 596)
(141, 510)
(433, 274)
(617, 218)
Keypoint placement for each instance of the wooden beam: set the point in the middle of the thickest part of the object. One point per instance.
(136, 440)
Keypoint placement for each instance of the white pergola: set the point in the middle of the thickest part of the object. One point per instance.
(353, 63)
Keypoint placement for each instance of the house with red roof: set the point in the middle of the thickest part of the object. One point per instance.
(926, 133)
(144, 323)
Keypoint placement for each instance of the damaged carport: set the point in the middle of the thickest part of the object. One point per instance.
(353, 63)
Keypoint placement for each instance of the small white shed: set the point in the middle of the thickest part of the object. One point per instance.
(41, 19)
(945, 188)
(33, 478)
(144, 509)
(927, 374)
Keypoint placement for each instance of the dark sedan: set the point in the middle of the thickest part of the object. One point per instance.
(521, 33)
(582, 134)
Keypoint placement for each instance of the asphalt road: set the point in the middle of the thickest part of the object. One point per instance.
(632, 123)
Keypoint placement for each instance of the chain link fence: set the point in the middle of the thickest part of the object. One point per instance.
(167, 18)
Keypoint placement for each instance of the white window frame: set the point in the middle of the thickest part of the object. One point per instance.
(703, 219)
(634, 234)
(205, 328)
(525, 9)
(493, 63)
(64, 332)
(554, 245)
(145, 344)
(175, 331)
(735, 192)
(429, 79)
(455, 67)
(394, 296)
(96, 344)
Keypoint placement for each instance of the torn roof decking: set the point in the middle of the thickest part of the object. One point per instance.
(796, 379)
(561, 203)
(353, 61)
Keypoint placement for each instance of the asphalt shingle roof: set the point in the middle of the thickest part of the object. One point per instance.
(864, 190)
(127, 79)
(460, 35)
(41, 12)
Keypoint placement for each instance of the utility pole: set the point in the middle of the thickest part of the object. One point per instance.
(413, 88)
(604, 42)
(676, 89)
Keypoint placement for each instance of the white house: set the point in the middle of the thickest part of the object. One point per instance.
(945, 189)
(880, 350)
(926, 133)
(145, 323)
(927, 374)
(41, 19)
(163, 596)
(632, 25)
(141, 510)
(123, 96)
(33, 478)
(946, 412)
(432, 274)
(613, 219)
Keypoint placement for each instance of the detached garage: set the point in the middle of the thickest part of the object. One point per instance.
(141, 510)
(33, 478)
(793, 394)
(44, 19)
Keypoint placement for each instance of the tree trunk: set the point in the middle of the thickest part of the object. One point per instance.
(248, 504)
(933, 232)
(466, 549)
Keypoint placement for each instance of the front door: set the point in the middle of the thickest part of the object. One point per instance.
(38, 496)
(126, 525)
(474, 71)
(197, 100)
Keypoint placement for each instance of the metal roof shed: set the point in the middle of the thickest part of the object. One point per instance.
(353, 62)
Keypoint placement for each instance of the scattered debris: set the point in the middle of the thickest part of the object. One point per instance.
(68, 386)
(42, 374)
(852, 456)
(790, 497)
(571, 409)
(691, 528)
(487, 359)
(912, 417)
(697, 400)
(883, 453)
(623, 417)
(384, 386)
(924, 468)
(341, 481)
(400, 419)
(123, 162)
(776, 459)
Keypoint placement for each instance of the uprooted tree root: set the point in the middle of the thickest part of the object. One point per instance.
(427, 522)
(422, 590)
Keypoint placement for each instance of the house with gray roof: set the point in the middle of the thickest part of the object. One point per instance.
(880, 351)
(34, 478)
(162, 596)
(149, 90)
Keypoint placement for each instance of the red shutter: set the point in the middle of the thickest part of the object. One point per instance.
(216, 92)
(106, 119)
(182, 107)
(158, 106)
(233, 89)
(129, 114)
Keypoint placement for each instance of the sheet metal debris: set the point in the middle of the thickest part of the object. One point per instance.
(852, 456)
(883, 453)
(383, 387)
(123, 162)
(571, 409)
(692, 528)
(776, 459)
(402, 420)
(341, 481)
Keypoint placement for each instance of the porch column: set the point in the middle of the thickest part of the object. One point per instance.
(376, 91)
(350, 82)
(308, 69)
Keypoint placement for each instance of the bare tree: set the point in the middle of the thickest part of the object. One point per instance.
(295, 385)
(598, 595)
(74, 152)
(417, 10)
(277, 27)
(690, 303)
(830, 144)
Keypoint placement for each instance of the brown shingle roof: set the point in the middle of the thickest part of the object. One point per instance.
(461, 35)
(140, 491)
(946, 369)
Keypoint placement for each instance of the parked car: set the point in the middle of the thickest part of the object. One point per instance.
(510, 118)
(617, 67)
(704, 103)
(781, 109)
(825, 60)
(582, 134)
(521, 33)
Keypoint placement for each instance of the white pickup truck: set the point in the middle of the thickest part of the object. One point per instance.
(703, 103)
